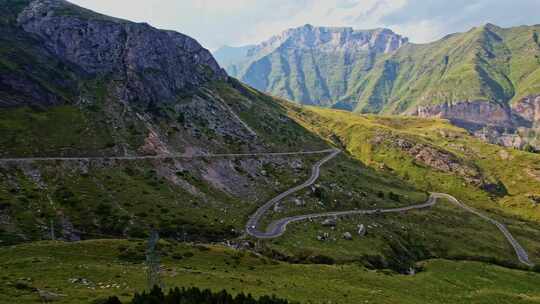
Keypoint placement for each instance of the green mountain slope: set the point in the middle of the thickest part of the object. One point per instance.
(313, 65)
(487, 64)
(435, 156)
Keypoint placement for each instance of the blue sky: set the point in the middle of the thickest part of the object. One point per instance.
(237, 22)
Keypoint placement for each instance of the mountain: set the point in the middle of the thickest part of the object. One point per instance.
(488, 63)
(314, 65)
(153, 64)
(74, 83)
(124, 84)
(487, 79)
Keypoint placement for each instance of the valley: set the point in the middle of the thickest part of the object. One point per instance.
(123, 145)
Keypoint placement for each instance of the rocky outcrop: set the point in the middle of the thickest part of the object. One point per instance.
(152, 65)
(514, 126)
(438, 159)
(528, 109)
(470, 113)
(442, 160)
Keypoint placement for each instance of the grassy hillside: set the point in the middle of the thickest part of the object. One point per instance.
(428, 155)
(86, 271)
(436, 156)
(486, 63)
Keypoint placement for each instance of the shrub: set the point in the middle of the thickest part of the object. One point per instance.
(110, 300)
(196, 295)
(393, 196)
(530, 149)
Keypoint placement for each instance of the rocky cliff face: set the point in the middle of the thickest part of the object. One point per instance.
(123, 88)
(514, 126)
(470, 112)
(153, 65)
(529, 109)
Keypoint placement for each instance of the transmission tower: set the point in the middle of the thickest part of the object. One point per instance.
(152, 262)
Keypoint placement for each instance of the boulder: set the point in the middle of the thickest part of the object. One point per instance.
(331, 222)
(47, 296)
(362, 230)
(298, 202)
(323, 237)
(534, 199)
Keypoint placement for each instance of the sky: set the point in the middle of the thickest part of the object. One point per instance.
(215, 23)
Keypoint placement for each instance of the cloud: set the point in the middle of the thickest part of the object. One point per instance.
(427, 20)
(356, 13)
(235, 22)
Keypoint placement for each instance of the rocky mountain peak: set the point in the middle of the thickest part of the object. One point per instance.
(333, 39)
(154, 65)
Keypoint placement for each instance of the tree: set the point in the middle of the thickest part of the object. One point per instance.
(197, 296)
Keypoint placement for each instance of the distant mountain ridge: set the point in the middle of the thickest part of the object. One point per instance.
(313, 65)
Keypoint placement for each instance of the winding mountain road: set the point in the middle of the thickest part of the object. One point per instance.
(278, 228)
(253, 222)
(163, 156)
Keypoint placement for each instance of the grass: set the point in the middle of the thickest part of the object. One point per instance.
(51, 266)
(30, 132)
(443, 231)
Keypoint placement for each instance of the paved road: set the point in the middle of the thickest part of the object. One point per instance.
(251, 226)
(521, 254)
(278, 228)
(164, 156)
